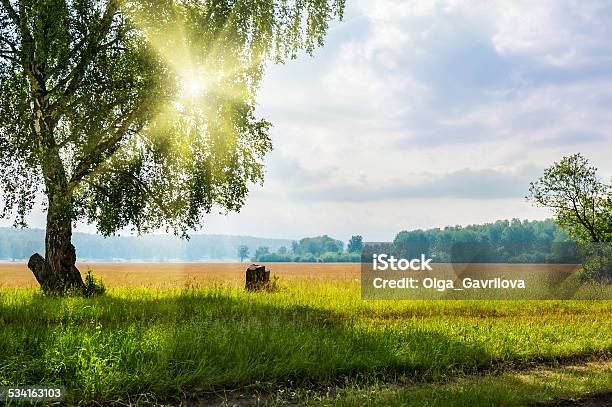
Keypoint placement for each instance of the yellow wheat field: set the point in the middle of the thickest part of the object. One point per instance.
(169, 275)
(172, 275)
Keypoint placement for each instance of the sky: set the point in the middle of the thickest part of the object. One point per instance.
(420, 114)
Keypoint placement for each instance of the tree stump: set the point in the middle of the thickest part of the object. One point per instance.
(42, 272)
(257, 277)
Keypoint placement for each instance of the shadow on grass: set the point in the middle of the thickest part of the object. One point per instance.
(111, 348)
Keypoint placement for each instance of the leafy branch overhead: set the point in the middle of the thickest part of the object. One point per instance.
(96, 103)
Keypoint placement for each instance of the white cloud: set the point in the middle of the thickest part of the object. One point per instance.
(559, 32)
(413, 93)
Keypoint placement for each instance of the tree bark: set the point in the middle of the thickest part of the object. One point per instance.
(57, 273)
(60, 254)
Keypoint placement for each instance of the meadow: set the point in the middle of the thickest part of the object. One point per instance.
(189, 333)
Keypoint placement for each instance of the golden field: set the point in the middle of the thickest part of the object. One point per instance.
(173, 275)
(15, 275)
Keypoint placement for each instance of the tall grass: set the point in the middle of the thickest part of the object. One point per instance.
(193, 340)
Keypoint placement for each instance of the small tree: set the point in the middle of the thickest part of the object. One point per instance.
(355, 244)
(243, 252)
(137, 113)
(583, 206)
(282, 250)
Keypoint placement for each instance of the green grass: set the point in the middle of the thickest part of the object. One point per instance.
(176, 343)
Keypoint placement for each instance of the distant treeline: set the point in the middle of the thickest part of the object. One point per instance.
(313, 249)
(504, 241)
(20, 244)
(524, 242)
(502, 231)
(512, 241)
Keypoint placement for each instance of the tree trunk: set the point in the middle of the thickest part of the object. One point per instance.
(57, 273)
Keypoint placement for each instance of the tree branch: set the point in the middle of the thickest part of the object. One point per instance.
(584, 219)
(11, 12)
(141, 184)
(11, 45)
(106, 108)
(6, 55)
(97, 187)
(146, 189)
(96, 155)
(93, 40)
(26, 36)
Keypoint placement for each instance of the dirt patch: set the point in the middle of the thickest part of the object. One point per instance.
(597, 400)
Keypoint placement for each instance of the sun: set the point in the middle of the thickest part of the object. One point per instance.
(193, 85)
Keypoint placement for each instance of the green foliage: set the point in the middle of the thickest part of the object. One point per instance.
(261, 251)
(93, 286)
(335, 257)
(327, 257)
(581, 202)
(513, 241)
(317, 246)
(503, 241)
(597, 266)
(95, 108)
(355, 244)
(309, 250)
(501, 231)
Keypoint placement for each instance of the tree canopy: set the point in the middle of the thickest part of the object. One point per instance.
(582, 203)
(145, 109)
(355, 244)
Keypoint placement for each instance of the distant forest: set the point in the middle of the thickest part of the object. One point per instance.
(502, 231)
(19, 244)
(503, 241)
(517, 241)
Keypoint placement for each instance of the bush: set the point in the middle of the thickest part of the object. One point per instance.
(93, 286)
(597, 265)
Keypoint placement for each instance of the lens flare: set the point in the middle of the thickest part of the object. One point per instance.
(193, 86)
